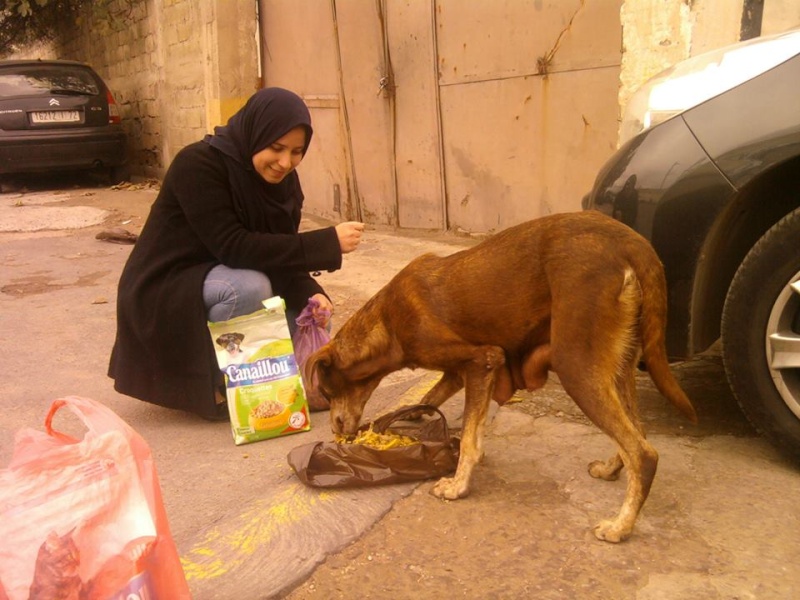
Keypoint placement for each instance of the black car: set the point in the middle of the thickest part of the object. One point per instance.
(58, 115)
(710, 174)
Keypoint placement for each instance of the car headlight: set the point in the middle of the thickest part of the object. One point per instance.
(700, 78)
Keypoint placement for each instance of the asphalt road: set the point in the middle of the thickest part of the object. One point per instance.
(247, 529)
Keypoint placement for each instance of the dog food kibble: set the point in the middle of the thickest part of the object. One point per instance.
(379, 441)
(267, 409)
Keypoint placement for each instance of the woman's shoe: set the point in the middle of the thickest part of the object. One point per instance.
(221, 407)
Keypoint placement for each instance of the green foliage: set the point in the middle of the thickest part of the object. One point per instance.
(24, 22)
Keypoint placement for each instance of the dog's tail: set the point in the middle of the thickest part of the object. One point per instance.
(652, 325)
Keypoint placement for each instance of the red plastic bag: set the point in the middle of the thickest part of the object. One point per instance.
(84, 519)
(309, 337)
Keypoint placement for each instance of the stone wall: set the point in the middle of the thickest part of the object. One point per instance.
(177, 68)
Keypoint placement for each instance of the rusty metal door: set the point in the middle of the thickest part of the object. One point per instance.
(444, 114)
(528, 98)
(503, 110)
(413, 93)
(337, 56)
(331, 53)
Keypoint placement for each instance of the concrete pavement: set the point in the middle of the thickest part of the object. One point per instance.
(244, 525)
(721, 521)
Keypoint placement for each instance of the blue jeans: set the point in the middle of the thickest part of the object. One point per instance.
(229, 293)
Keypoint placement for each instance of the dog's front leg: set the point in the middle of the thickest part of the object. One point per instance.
(479, 375)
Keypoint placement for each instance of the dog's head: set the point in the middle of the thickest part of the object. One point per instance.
(345, 385)
(230, 341)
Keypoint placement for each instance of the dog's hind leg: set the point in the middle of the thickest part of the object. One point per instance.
(449, 383)
(607, 469)
(479, 375)
(626, 388)
(604, 337)
(603, 405)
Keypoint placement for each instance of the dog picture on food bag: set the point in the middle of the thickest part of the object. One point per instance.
(578, 294)
(231, 343)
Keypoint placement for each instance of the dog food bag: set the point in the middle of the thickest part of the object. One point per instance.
(265, 393)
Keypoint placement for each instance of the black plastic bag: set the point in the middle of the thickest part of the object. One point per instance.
(331, 464)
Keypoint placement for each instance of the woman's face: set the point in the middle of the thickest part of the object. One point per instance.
(280, 158)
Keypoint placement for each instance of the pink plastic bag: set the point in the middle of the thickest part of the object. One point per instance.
(309, 337)
(84, 519)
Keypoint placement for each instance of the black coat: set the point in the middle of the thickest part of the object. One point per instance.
(163, 351)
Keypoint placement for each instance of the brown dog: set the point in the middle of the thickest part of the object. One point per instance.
(578, 293)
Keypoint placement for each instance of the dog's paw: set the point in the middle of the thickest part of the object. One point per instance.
(414, 416)
(449, 488)
(605, 470)
(609, 531)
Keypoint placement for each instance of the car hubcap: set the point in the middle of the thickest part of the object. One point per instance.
(783, 344)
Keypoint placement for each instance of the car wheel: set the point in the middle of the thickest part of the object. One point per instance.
(118, 174)
(761, 335)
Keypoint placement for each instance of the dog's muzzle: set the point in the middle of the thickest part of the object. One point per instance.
(343, 423)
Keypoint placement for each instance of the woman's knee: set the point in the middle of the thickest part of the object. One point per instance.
(230, 293)
(254, 288)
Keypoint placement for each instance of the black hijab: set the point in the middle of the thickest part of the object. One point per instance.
(267, 116)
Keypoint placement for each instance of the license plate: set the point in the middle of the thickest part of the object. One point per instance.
(55, 116)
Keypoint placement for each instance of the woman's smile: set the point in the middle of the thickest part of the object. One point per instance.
(281, 157)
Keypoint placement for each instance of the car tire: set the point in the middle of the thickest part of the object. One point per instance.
(117, 175)
(762, 308)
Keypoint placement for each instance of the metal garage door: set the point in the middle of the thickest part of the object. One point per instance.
(446, 114)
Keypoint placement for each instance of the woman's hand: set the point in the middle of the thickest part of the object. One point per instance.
(322, 314)
(349, 235)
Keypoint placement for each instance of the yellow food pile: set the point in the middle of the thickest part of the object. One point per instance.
(379, 441)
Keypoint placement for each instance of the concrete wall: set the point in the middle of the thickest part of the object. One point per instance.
(659, 33)
(780, 15)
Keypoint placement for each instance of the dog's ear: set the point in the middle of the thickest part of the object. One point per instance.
(318, 363)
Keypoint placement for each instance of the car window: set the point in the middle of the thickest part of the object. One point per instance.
(46, 81)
